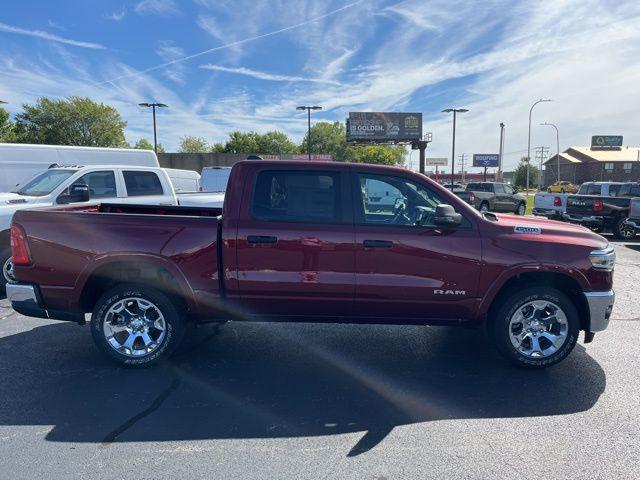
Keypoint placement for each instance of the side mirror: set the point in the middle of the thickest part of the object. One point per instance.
(77, 193)
(446, 216)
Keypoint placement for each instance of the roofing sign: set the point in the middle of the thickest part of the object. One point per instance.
(485, 159)
(606, 141)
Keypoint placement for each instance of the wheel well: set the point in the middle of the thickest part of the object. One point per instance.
(564, 283)
(109, 275)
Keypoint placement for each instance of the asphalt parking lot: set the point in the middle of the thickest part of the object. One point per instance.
(322, 401)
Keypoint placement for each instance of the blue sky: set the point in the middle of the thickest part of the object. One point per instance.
(223, 65)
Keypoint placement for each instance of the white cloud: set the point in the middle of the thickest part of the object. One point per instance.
(48, 36)
(168, 51)
(266, 76)
(156, 7)
(117, 16)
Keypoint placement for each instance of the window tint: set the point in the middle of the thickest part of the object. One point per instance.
(140, 183)
(407, 203)
(498, 188)
(629, 190)
(101, 184)
(614, 190)
(594, 189)
(296, 196)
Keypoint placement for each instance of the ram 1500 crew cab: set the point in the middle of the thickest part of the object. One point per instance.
(300, 242)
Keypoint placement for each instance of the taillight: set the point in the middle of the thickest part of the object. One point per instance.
(557, 202)
(597, 205)
(19, 249)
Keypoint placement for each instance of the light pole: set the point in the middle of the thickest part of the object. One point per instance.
(153, 106)
(557, 145)
(453, 143)
(308, 109)
(529, 139)
(501, 149)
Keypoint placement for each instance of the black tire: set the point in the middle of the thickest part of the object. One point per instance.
(621, 231)
(499, 325)
(173, 319)
(4, 256)
(524, 210)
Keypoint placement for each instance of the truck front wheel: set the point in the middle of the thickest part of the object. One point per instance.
(535, 327)
(622, 230)
(136, 325)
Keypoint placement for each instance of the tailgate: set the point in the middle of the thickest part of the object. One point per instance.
(580, 204)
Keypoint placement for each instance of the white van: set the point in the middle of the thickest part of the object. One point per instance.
(20, 162)
(184, 180)
(214, 179)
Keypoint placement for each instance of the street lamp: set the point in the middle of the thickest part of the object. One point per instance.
(557, 145)
(501, 149)
(308, 109)
(153, 106)
(453, 144)
(529, 140)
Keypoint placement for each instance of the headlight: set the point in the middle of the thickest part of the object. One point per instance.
(604, 259)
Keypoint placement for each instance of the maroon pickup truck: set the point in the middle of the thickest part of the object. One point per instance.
(297, 241)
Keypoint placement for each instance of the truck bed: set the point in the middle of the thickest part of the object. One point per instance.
(71, 247)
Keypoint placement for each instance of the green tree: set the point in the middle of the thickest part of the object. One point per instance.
(160, 148)
(7, 128)
(242, 142)
(520, 175)
(74, 121)
(143, 144)
(380, 154)
(331, 138)
(189, 144)
(275, 143)
(217, 148)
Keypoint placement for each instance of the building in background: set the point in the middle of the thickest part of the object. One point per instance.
(585, 164)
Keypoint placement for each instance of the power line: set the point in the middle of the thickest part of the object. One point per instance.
(462, 158)
(541, 155)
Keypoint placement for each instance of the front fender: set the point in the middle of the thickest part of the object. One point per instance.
(512, 272)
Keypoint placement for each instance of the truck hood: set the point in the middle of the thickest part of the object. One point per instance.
(13, 199)
(539, 229)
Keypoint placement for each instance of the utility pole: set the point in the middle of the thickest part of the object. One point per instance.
(541, 155)
(462, 159)
(529, 139)
(308, 108)
(453, 142)
(155, 135)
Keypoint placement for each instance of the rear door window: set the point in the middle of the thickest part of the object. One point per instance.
(594, 189)
(141, 183)
(297, 196)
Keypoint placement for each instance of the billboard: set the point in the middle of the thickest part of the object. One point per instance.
(384, 127)
(606, 141)
(485, 159)
(436, 162)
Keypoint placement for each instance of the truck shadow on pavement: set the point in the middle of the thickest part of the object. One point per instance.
(279, 380)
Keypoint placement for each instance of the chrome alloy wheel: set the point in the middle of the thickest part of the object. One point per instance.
(538, 329)
(134, 327)
(7, 271)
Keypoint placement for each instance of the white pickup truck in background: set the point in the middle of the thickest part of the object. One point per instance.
(554, 205)
(59, 185)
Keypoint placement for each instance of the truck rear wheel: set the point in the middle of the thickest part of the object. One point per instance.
(622, 230)
(535, 327)
(7, 271)
(136, 325)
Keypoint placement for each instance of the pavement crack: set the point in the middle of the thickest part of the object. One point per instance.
(155, 405)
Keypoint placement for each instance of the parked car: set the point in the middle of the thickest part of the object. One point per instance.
(550, 205)
(298, 243)
(554, 206)
(184, 180)
(634, 215)
(20, 162)
(494, 197)
(601, 213)
(562, 187)
(214, 179)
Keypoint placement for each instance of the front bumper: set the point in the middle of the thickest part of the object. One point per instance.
(26, 300)
(600, 307)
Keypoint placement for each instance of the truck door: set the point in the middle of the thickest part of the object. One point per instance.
(295, 243)
(405, 266)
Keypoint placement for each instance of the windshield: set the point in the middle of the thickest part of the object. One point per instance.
(44, 183)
